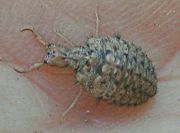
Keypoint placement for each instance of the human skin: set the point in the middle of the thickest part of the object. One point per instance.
(33, 102)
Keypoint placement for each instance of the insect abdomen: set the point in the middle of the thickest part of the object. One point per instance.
(116, 71)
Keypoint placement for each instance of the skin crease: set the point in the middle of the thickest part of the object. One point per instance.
(47, 92)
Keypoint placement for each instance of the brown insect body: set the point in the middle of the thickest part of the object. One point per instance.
(109, 68)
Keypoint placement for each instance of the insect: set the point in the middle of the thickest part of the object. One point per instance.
(109, 68)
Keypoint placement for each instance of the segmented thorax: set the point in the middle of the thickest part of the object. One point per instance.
(114, 70)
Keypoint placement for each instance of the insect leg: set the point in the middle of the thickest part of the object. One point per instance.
(71, 105)
(97, 22)
(65, 38)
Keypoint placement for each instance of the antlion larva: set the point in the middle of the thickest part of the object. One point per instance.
(110, 68)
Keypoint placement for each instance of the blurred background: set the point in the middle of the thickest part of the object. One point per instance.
(33, 102)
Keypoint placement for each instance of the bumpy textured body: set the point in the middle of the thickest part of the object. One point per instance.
(111, 69)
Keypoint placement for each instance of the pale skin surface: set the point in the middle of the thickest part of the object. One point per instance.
(34, 101)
